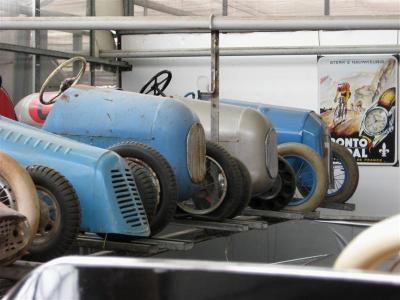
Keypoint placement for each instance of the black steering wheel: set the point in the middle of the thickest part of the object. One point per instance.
(157, 84)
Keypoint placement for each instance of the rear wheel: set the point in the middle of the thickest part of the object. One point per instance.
(146, 187)
(59, 214)
(162, 176)
(220, 194)
(345, 173)
(281, 193)
(311, 176)
(246, 183)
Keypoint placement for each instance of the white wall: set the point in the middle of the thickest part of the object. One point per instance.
(282, 80)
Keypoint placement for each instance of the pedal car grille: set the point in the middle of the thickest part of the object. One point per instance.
(128, 198)
(327, 154)
(196, 152)
(271, 149)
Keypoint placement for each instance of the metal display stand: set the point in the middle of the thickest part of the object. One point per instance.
(183, 234)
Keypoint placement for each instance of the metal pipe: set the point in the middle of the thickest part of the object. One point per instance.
(215, 86)
(194, 23)
(65, 55)
(254, 51)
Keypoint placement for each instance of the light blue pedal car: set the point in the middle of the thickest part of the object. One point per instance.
(82, 188)
(164, 136)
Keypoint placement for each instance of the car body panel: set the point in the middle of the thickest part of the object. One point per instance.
(242, 131)
(297, 126)
(291, 124)
(90, 170)
(104, 117)
(6, 106)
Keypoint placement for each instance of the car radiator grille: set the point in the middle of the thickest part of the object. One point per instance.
(128, 198)
(271, 148)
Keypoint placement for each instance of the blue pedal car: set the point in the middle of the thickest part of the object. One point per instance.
(81, 188)
(304, 126)
(208, 180)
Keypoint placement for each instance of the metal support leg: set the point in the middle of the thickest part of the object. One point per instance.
(224, 7)
(215, 86)
(91, 11)
(76, 48)
(327, 9)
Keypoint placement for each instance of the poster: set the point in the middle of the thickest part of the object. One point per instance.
(358, 99)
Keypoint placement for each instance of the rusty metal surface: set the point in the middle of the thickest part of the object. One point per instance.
(14, 234)
(214, 86)
(19, 224)
(196, 153)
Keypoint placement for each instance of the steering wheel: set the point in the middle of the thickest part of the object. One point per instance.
(155, 86)
(66, 83)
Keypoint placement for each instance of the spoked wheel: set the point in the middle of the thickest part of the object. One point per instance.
(281, 193)
(311, 176)
(212, 192)
(59, 214)
(345, 174)
(17, 192)
(163, 179)
(220, 194)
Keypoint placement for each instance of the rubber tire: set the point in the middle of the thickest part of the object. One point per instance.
(372, 246)
(246, 192)
(351, 183)
(166, 177)
(286, 193)
(68, 202)
(146, 188)
(321, 172)
(233, 199)
(27, 202)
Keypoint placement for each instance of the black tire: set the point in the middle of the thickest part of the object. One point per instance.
(246, 183)
(315, 162)
(146, 188)
(277, 199)
(232, 199)
(61, 191)
(348, 164)
(156, 164)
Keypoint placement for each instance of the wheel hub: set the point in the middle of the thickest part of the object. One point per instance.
(50, 216)
(212, 191)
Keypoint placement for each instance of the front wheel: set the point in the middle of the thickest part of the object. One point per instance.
(282, 191)
(345, 174)
(59, 214)
(246, 191)
(163, 178)
(311, 176)
(220, 194)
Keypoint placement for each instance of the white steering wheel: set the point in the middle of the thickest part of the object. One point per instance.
(66, 83)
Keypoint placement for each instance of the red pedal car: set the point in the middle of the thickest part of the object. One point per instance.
(6, 106)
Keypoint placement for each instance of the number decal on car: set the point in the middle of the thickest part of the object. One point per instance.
(37, 111)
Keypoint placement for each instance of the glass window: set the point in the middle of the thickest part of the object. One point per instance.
(364, 7)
